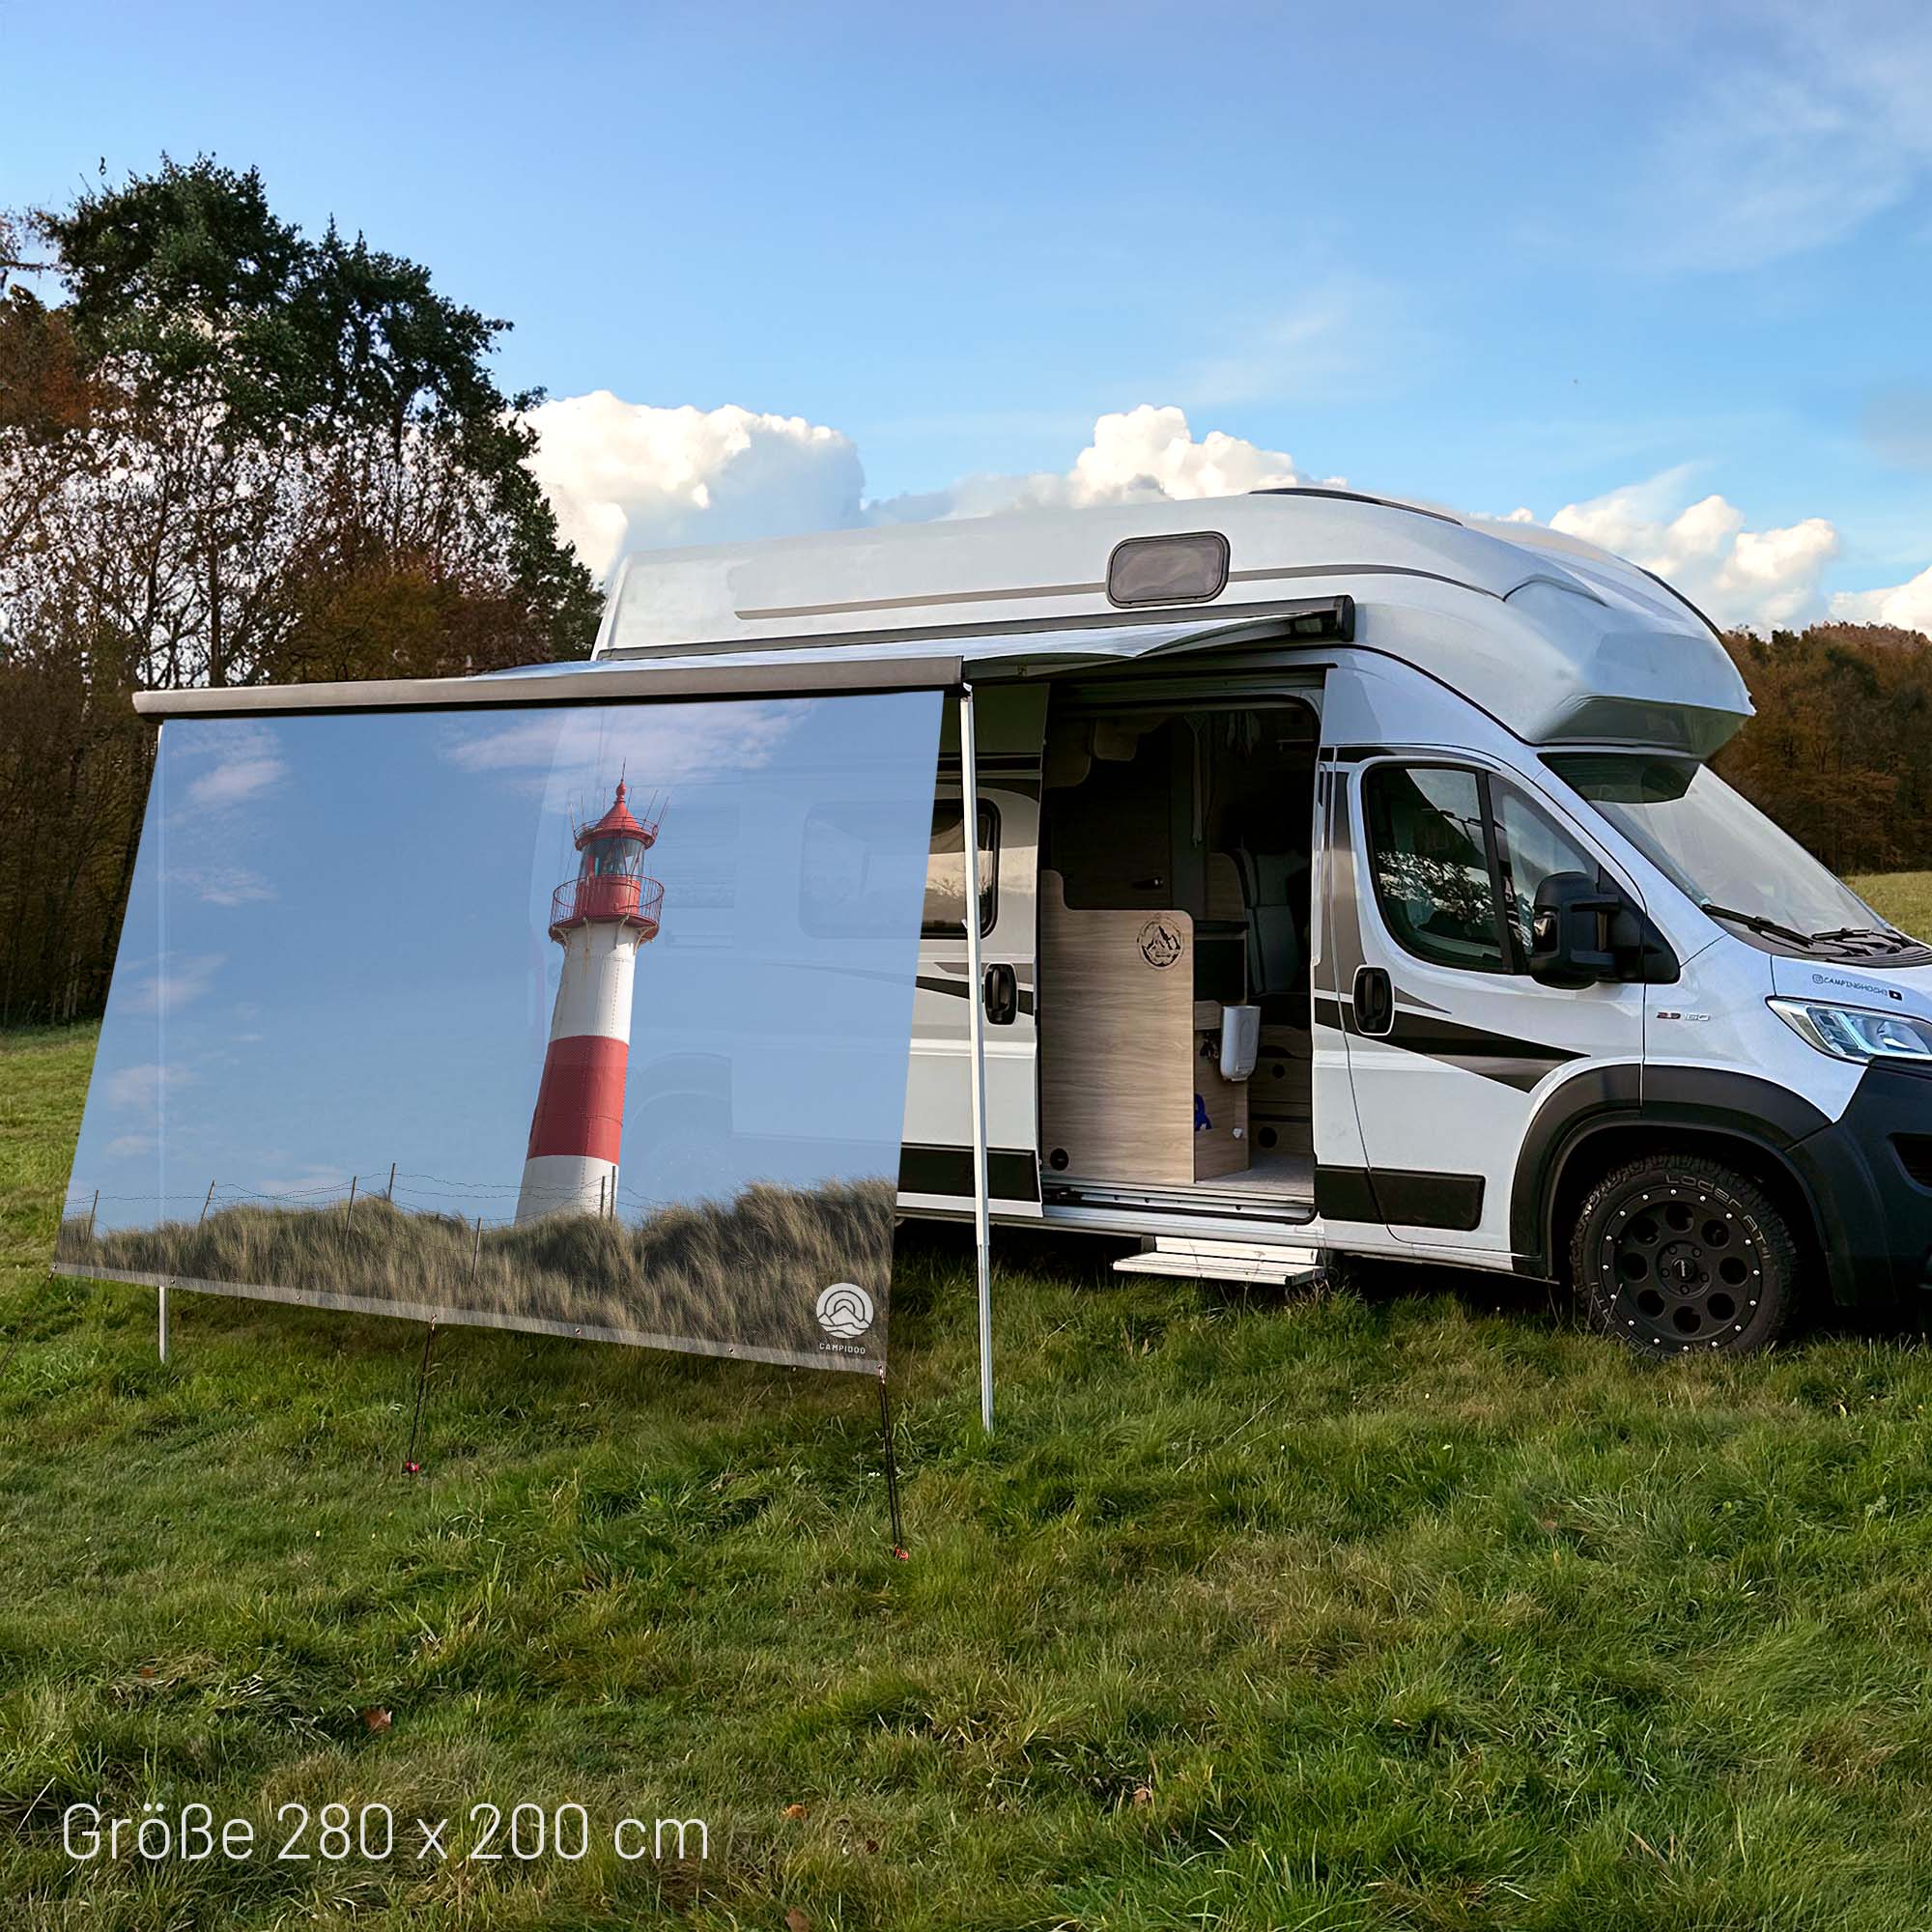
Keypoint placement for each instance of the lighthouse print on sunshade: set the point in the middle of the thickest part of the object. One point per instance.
(601, 917)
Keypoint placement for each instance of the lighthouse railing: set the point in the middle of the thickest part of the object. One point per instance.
(606, 896)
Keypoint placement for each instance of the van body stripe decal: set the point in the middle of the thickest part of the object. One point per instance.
(1493, 1056)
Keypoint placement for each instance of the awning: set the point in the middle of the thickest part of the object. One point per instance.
(999, 652)
(924, 664)
(576, 682)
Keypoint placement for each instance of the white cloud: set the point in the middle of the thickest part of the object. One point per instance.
(187, 978)
(127, 1147)
(1795, 151)
(1146, 453)
(1752, 577)
(222, 885)
(218, 773)
(1137, 455)
(137, 1089)
(241, 762)
(234, 780)
(1908, 604)
(577, 758)
(527, 744)
(626, 476)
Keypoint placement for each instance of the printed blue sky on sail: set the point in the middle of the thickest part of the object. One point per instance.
(340, 951)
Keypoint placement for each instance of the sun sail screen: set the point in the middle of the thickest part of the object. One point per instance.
(587, 1018)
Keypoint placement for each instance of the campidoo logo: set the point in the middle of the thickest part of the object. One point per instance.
(845, 1309)
(1160, 943)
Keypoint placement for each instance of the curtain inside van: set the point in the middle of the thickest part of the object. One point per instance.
(589, 1019)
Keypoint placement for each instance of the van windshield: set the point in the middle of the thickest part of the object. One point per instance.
(1721, 850)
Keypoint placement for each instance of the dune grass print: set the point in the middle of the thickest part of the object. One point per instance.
(740, 1279)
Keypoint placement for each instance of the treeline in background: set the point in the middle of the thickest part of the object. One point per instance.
(1841, 751)
(233, 454)
(229, 454)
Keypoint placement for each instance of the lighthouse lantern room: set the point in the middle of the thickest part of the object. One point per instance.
(600, 917)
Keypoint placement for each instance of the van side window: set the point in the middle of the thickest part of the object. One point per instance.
(1430, 857)
(946, 872)
(1530, 848)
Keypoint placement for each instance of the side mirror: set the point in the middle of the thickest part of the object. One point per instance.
(1570, 941)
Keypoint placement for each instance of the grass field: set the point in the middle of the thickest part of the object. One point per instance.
(1903, 897)
(1412, 1611)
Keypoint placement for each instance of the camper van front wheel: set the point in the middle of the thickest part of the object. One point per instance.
(1676, 1254)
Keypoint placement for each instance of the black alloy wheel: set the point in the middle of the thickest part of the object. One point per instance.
(1673, 1254)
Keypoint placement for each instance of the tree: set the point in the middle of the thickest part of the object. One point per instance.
(319, 376)
(230, 455)
(1841, 751)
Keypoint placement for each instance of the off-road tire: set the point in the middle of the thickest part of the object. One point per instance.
(1680, 1254)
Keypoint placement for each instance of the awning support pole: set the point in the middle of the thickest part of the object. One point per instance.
(976, 1033)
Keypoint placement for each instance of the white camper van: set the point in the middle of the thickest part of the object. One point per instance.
(1353, 882)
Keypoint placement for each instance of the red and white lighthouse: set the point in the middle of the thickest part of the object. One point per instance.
(600, 918)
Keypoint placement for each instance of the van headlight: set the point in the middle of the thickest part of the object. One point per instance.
(1851, 1033)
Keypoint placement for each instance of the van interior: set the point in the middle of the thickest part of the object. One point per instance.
(1173, 907)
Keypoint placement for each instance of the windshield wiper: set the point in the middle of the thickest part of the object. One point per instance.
(1757, 922)
(1897, 938)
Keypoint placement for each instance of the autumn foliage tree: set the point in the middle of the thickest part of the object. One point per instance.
(1841, 751)
(228, 455)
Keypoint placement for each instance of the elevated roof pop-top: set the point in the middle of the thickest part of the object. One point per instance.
(1559, 640)
(1052, 565)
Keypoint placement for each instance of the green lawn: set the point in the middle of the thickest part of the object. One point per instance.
(1408, 1613)
(1903, 897)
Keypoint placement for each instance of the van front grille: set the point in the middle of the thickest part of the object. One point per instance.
(1915, 1156)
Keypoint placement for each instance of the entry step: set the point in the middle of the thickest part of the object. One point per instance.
(1223, 1260)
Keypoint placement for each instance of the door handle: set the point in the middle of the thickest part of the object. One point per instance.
(1374, 1001)
(1001, 992)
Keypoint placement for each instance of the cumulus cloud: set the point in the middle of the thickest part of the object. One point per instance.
(1908, 605)
(1138, 455)
(1745, 576)
(624, 476)
(629, 476)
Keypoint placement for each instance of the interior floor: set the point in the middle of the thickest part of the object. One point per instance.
(1288, 1175)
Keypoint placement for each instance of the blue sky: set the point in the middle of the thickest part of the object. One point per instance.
(1623, 262)
(354, 969)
